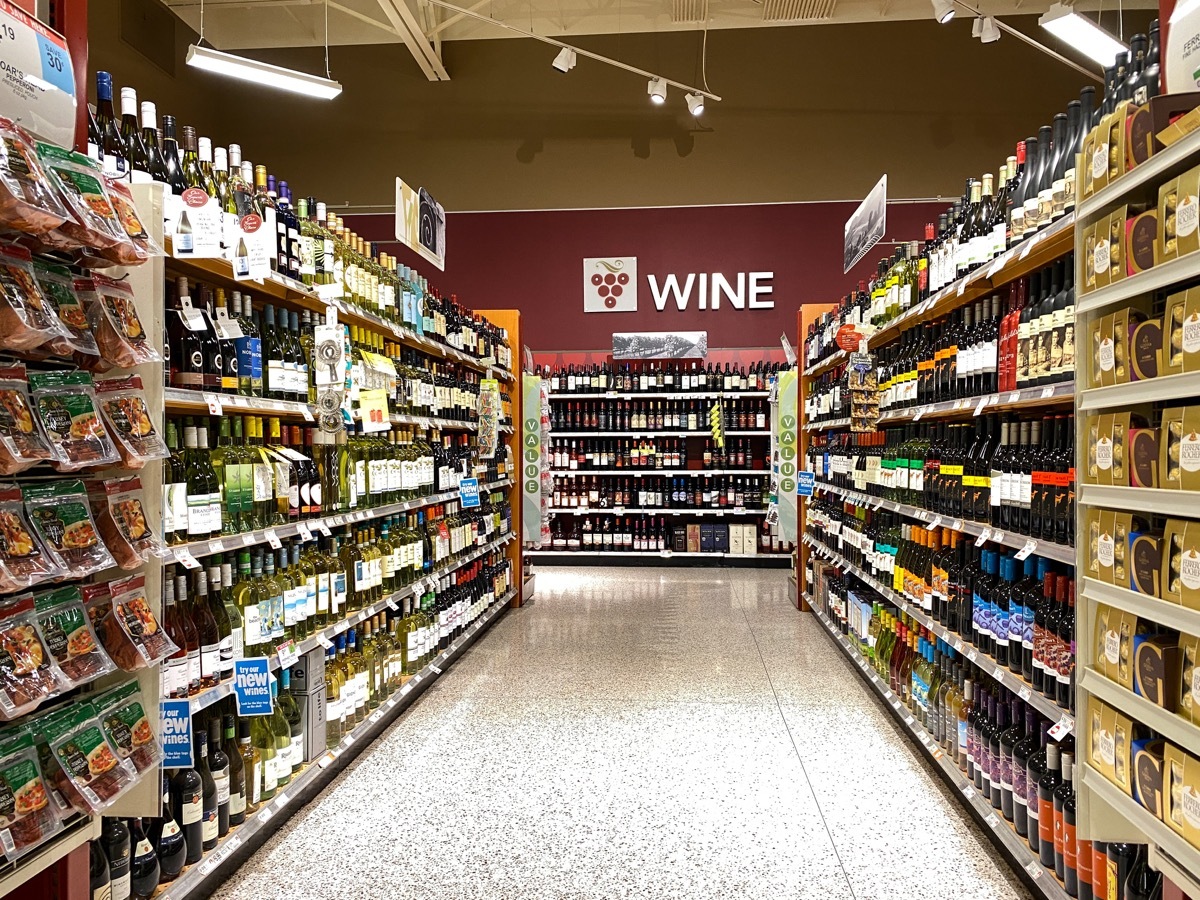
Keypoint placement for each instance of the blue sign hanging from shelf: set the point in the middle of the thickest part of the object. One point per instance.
(175, 718)
(252, 686)
(468, 492)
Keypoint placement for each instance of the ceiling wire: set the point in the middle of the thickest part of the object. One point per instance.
(327, 75)
(704, 50)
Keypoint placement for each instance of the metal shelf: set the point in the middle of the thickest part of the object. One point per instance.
(201, 878)
(758, 432)
(652, 511)
(1161, 276)
(656, 395)
(1172, 615)
(1150, 828)
(673, 473)
(1141, 500)
(1152, 170)
(1001, 674)
(1176, 728)
(182, 400)
(1013, 845)
(207, 698)
(829, 362)
(1059, 552)
(181, 553)
(645, 554)
(1151, 390)
(1062, 392)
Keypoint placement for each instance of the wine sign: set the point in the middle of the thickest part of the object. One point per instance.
(38, 87)
(195, 223)
(421, 224)
(864, 229)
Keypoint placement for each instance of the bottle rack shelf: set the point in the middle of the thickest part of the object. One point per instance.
(669, 473)
(200, 879)
(208, 697)
(657, 395)
(1049, 549)
(1150, 390)
(653, 511)
(1060, 394)
(1002, 674)
(1042, 882)
(757, 432)
(594, 557)
(307, 528)
(1022, 259)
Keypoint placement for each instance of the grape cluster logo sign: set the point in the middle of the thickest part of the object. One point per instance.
(610, 284)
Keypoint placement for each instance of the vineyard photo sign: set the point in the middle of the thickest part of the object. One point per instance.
(660, 345)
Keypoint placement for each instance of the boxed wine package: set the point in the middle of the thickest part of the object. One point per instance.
(1110, 737)
(1181, 796)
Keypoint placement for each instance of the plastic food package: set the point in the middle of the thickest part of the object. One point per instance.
(66, 404)
(91, 775)
(123, 717)
(120, 511)
(24, 562)
(123, 406)
(62, 519)
(27, 319)
(58, 286)
(69, 636)
(113, 315)
(80, 184)
(122, 617)
(28, 674)
(27, 817)
(28, 202)
(23, 443)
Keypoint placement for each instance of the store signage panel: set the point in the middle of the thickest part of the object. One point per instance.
(660, 345)
(175, 727)
(864, 229)
(37, 78)
(421, 223)
(610, 284)
(787, 440)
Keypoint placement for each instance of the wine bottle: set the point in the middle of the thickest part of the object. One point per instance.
(98, 876)
(144, 869)
(114, 837)
(187, 808)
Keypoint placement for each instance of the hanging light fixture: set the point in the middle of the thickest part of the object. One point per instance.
(565, 61)
(657, 89)
(1082, 33)
(234, 66)
(990, 32)
(695, 103)
(943, 10)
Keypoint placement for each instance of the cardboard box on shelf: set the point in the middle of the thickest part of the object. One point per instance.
(1181, 794)
(1110, 736)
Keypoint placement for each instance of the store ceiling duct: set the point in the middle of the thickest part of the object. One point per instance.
(565, 61)
(943, 10)
(262, 73)
(1082, 33)
(657, 89)
(798, 10)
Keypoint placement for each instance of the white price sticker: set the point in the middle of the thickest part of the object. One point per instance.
(185, 557)
(983, 401)
(325, 642)
(937, 520)
(998, 674)
(992, 820)
(920, 412)
(216, 547)
(1030, 546)
(273, 539)
(306, 411)
(956, 644)
(1063, 727)
(984, 537)
(324, 528)
(436, 670)
(391, 602)
(248, 539)
(1047, 392)
(962, 287)
(303, 530)
(288, 654)
(214, 404)
(1034, 869)
(1013, 397)
(1024, 693)
(971, 655)
(325, 760)
(968, 792)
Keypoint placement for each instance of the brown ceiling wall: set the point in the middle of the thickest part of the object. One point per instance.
(809, 113)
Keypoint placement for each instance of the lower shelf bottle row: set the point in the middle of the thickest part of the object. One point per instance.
(1000, 752)
(638, 534)
(243, 765)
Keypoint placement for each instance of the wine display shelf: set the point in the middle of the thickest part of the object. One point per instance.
(1049, 549)
(592, 557)
(1022, 259)
(294, 294)
(670, 473)
(658, 395)
(199, 880)
(208, 697)
(1002, 674)
(757, 432)
(1040, 880)
(653, 511)
(308, 528)
(1061, 393)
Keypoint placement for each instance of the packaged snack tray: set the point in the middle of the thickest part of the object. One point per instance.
(62, 518)
(27, 817)
(23, 443)
(26, 318)
(113, 315)
(28, 675)
(58, 286)
(123, 406)
(66, 404)
(121, 614)
(24, 562)
(69, 636)
(91, 772)
(28, 202)
(123, 717)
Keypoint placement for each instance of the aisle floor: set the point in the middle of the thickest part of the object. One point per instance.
(637, 733)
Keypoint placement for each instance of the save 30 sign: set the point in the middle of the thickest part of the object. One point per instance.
(37, 80)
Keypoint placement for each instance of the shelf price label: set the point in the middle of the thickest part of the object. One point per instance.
(1062, 728)
(1030, 546)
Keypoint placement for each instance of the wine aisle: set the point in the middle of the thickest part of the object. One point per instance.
(638, 733)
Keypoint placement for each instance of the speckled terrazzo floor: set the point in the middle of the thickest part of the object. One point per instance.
(637, 733)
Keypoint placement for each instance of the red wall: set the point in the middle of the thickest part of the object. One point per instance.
(533, 261)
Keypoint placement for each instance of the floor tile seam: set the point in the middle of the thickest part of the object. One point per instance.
(800, 760)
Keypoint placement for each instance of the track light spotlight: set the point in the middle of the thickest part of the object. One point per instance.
(657, 89)
(565, 61)
(990, 32)
(977, 27)
(943, 10)
(695, 104)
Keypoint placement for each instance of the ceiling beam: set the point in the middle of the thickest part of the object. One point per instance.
(354, 13)
(457, 17)
(423, 52)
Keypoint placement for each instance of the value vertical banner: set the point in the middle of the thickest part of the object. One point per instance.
(531, 458)
(788, 440)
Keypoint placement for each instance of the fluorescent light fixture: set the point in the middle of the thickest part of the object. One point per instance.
(990, 32)
(695, 104)
(1082, 33)
(262, 73)
(657, 89)
(943, 11)
(565, 61)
